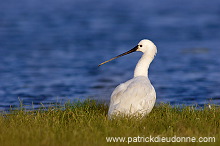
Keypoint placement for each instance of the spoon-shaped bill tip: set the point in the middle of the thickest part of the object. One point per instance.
(128, 52)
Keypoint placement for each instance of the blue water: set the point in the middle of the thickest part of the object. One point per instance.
(49, 50)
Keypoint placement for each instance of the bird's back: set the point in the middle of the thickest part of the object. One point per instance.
(136, 96)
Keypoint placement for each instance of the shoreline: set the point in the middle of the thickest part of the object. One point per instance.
(86, 123)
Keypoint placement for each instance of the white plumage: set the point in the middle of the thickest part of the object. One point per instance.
(136, 96)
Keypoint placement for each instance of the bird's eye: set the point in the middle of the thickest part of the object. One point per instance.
(140, 45)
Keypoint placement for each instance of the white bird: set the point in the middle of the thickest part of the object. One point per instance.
(137, 96)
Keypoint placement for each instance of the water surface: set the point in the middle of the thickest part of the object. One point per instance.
(50, 49)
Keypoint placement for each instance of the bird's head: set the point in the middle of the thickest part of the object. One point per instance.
(145, 46)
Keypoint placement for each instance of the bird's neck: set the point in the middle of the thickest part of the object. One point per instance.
(143, 65)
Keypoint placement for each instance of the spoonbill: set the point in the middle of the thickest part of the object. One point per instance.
(136, 96)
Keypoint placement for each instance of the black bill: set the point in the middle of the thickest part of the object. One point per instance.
(128, 52)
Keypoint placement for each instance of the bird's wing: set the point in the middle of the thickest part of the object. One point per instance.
(138, 92)
(119, 90)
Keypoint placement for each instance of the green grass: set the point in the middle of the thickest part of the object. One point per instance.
(86, 123)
